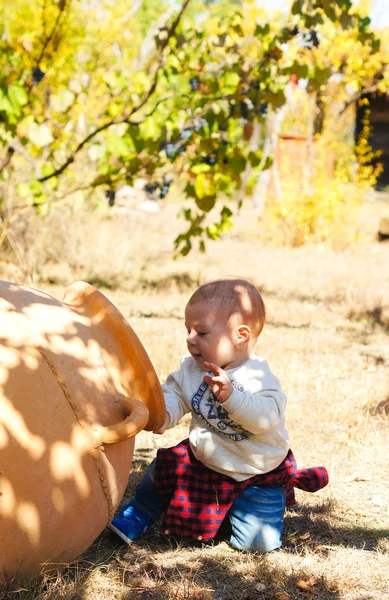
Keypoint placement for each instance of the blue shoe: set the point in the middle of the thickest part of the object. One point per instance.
(130, 523)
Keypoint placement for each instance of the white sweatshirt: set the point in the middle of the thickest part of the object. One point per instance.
(241, 437)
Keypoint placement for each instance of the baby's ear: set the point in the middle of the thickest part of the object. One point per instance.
(243, 336)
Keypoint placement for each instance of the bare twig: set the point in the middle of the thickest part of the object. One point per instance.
(4, 162)
(158, 103)
(136, 5)
(148, 45)
(20, 149)
(62, 4)
(52, 32)
(358, 96)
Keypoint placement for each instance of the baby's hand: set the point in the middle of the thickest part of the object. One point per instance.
(163, 428)
(220, 384)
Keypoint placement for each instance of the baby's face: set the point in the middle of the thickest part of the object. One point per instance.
(211, 334)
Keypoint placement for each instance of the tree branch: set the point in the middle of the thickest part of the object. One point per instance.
(148, 44)
(158, 103)
(20, 149)
(4, 162)
(136, 5)
(358, 96)
(48, 39)
(125, 118)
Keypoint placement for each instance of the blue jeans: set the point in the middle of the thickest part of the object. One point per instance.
(256, 517)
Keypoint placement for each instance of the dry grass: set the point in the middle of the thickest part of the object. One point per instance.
(326, 338)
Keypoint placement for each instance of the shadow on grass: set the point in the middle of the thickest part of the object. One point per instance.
(318, 528)
(207, 573)
(111, 570)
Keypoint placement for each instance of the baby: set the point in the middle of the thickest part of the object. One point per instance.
(236, 468)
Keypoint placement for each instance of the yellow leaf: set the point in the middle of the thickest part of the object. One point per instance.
(303, 585)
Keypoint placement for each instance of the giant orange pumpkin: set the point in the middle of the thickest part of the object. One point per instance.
(76, 385)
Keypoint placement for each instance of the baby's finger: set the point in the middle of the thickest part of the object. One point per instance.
(212, 367)
(212, 380)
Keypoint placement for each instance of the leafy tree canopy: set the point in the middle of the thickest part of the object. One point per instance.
(99, 93)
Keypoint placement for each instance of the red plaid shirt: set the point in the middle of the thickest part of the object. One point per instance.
(196, 499)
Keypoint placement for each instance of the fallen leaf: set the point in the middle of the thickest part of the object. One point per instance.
(312, 581)
(200, 594)
(357, 477)
(281, 596)
(260, 587)
(304, 585)
(150, 567)
(304, 536)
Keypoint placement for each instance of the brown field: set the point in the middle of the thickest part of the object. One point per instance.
(326, 338)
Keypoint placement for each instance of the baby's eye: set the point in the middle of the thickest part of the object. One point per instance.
(202, 333)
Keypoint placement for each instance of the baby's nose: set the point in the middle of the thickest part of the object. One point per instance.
(191, 337)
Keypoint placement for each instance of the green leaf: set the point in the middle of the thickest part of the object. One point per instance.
(43, 209)
(330, 12)
(299, 69)
(17, 97)
(262, 30)
(313, 20)
(375, 45)
(116, 145)
(230, 82)
(133, 164)
(36, 188)
(237, 163)
(346, 20)
(151, 128)
(297, 7)
(226, 222)
(255, 158)
(24, 191)
(276, 99)
(226, 212)
(322, 75)
(204, 186)
(206, 203)
(223, 183)
(5, 104)
(200, 168)
(213, 231)
(319, 78)
(134, 134)
(47, 170)
(268, 163)
(252, 181)
(101, 179)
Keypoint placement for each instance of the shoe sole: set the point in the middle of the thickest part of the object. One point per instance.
(120, 534)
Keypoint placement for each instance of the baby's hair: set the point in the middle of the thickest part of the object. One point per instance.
(240, 296)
